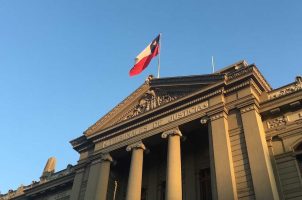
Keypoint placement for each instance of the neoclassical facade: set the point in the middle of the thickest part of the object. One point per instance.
(226, 135)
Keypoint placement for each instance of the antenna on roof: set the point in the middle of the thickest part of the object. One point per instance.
(213, 64)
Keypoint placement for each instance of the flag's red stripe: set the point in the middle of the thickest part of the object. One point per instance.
(143, 63)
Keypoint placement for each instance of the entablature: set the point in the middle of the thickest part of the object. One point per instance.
(288, 103)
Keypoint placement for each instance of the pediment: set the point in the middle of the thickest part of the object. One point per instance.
(153, 94)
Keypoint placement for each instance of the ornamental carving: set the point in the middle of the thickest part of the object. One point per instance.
(279, 121)
(171, 132)
(287, 90)
(217, 116)
(247, 109)
(149, 101)
(137, 145)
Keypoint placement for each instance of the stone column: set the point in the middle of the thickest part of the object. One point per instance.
(257, 149)
(98, 178)
(222, 156)
(136, 171)
(173, 180)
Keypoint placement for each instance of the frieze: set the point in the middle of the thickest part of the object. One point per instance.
(279, 121)
(287, 90)
(158, 123)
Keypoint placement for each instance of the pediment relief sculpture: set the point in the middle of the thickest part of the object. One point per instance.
(149, 101)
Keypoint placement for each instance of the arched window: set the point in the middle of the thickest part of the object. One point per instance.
(298, 151)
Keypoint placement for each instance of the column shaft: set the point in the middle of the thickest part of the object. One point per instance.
(136, 170)
(174, 182)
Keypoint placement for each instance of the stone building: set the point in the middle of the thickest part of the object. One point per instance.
(226, 135)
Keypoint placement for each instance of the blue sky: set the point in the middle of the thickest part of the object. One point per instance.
(65, 63)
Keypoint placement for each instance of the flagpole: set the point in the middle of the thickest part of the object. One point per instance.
(158, 64)
(213, 65)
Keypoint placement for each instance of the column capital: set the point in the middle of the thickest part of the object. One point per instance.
(137, 145)
(174, 131)
(106, 157)
(102, 158)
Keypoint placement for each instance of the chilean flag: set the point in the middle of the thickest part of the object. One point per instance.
(143, 59)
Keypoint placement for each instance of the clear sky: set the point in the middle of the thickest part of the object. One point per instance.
(65, 63)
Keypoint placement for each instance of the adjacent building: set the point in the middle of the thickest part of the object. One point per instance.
(227, 135)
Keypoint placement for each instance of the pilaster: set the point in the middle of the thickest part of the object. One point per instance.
(222, 156)
(98, 178)
(258, 154)
(76, 187)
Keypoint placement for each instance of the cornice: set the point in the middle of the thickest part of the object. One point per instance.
(248, 71)
(282, 102)
(187, 80)
(62, 181)
(262, 79)
(235, 87)
(287, 89)
(81, 143)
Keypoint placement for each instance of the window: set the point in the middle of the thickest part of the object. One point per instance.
(205, 184)
(298, 151)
